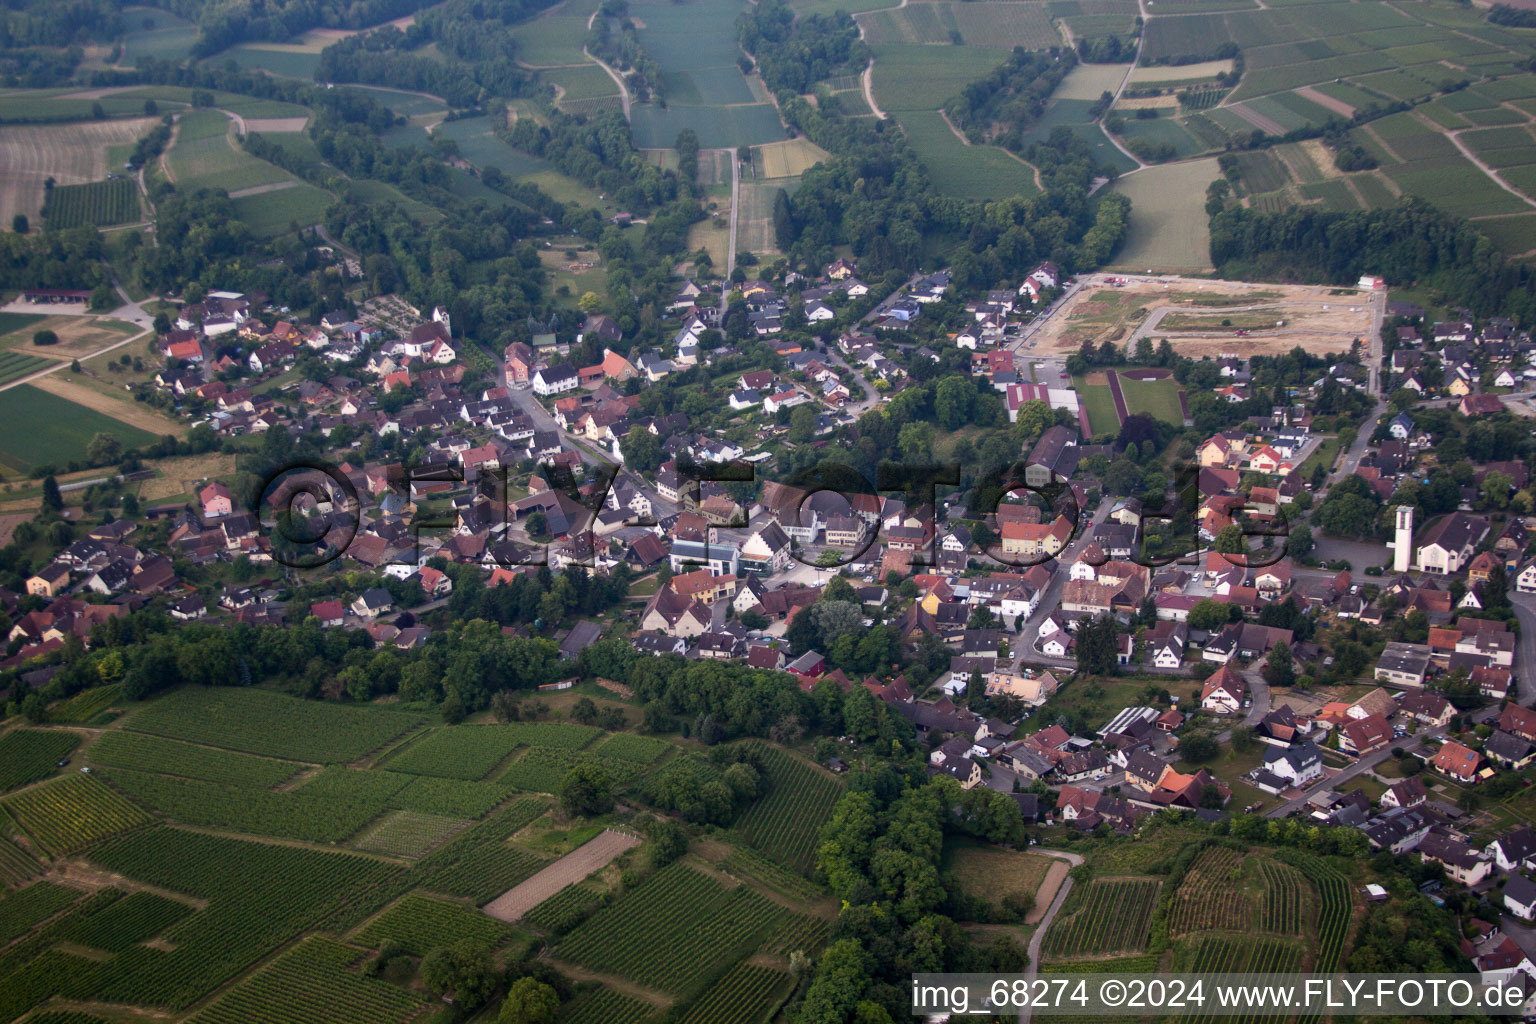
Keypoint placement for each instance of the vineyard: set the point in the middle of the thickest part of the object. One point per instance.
(565, 909)
(311, 984)
(14, 364)
(452, 797)
(420, 923)
(134, 918)
(407, 834)
(259, 896)
(98, 204)
(542, 769)
(17, 867)
(627, 746)
(71, 813)
(1111, 917)
(1337, 905)
(671, 930)
(21, 911)
(604, 1006)
(27, 755)
(1238, 955)
(295, 815)
(802, 933)
(742, 996)
(479, 864)
(87, 704)
(744, 863)
(462, 752)
(1285, 891)
(1209, 897)
(263, 722)
(785, 825)
(142, 753)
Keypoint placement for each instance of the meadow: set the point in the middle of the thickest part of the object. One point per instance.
(153, 32)
(1169, 228)
(205, 156)
(269, 214)
(961, 169)
(70, 427)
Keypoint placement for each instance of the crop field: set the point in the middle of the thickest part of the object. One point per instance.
(785, 825)
(27, 755)
(1209, 897)
(788, 159)
(1336, 906)
(135, 918)
(407, 834)
(674, 928)
(1285, 898)
(466, 752)
(101, 203)
(71, 154)
(17, 867)
(87, 704)
(1109, 917)
(963, 170)
(542, 769)
(749, 124)
(21, 911)
(420, 922)
(15, 364)
(271, 214)
(71, 813)
(1001, 24)
(628, 746)
(564, 910)
(916, 77)
(741, 996)
(284, 61)
(143, 753)
(431, 795)
(1169, 229)
(604, 1006)
(754, 224)
(480, 865)
(261, 722)
(478, 143)
(313, 984)
(259, 896)
(153, 32)
(204, 156)
(556, 37)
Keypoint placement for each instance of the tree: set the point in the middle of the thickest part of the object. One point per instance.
(584, 711)
(1278, 667)
(669, 841)
(1199, 748)
(642, 450)
(1208, 614)
(104, 450)
(20, 224)
(537, 524)
(952, 400)
(1123, 478)
(802, 424)
(1096, 646)
(529, 1001)
(1495, 592)
(506, 705)
(586, 790)
(1229, 540)
(589, 303)
(465, 968)
(53, 501)
(1299, 544)
(44, 337)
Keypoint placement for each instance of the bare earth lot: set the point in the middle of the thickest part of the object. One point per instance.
(1194, 308)
(573, 867)
(72, 154)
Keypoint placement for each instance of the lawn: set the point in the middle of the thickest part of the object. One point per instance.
(1157, 398)
(39, 429)
(1100, 405)
(991, 873)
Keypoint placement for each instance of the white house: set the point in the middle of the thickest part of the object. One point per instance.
(553, 380)
(1520, 897)
(1224, 692)
(1297, 765)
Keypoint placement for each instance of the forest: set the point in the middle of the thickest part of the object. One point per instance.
(794, 54)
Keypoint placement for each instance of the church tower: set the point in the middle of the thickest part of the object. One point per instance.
(1402, 545)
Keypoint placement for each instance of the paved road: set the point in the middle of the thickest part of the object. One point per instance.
(1038, 938)
(730, 256)
(1525, 659)
(1024, 644)
(871, 396)
(1361, 766)
(1033, 327)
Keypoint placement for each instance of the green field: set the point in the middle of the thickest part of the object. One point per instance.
(70, 428)
(1157, 398)
(916, 77)
(155, 33)
(1100, 406)
(1169, 228)
(205, 157)
(969, 172)
(479, 145)
(290, 62)
(786, 824)
(72, 812)
(263, 722)
(989, 25)
(14, 364)
(269, 214)
(143, 753)
(100, 203)
(556, 37)
(313, 983)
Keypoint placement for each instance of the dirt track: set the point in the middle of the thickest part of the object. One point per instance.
(573, 867)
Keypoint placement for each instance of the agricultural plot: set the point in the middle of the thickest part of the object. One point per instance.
(628, 746)
(135, 918)
(71, 813)
(70, 154)
(15, 365)
(21, 911)
(1285, 898)
(748, 124)
(480, 865)
(555, 38)
(262, 722)
(142, 753)
(1110, 917)
(313, 984)
(27, 755)
(284, 61)
(754, 222)
(407, 833)
(992, 25)
(785, 825)
(478, 143)
(100, 203)
(204, 156)
(743, 995)
(788, 159)
(430, 795)
(963, 170)
(564, 910)
(1169, 228)
(155, 33)
(993, 874)
(604, 1006)
(259, 896)
(271, 214)
(916, 77)
(420, 922)
(465, 752)
(17, 867)
(706, 925)
(1336, 906)
(286, 815)
(1209, 897)
(87, 704)
(542, 769)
